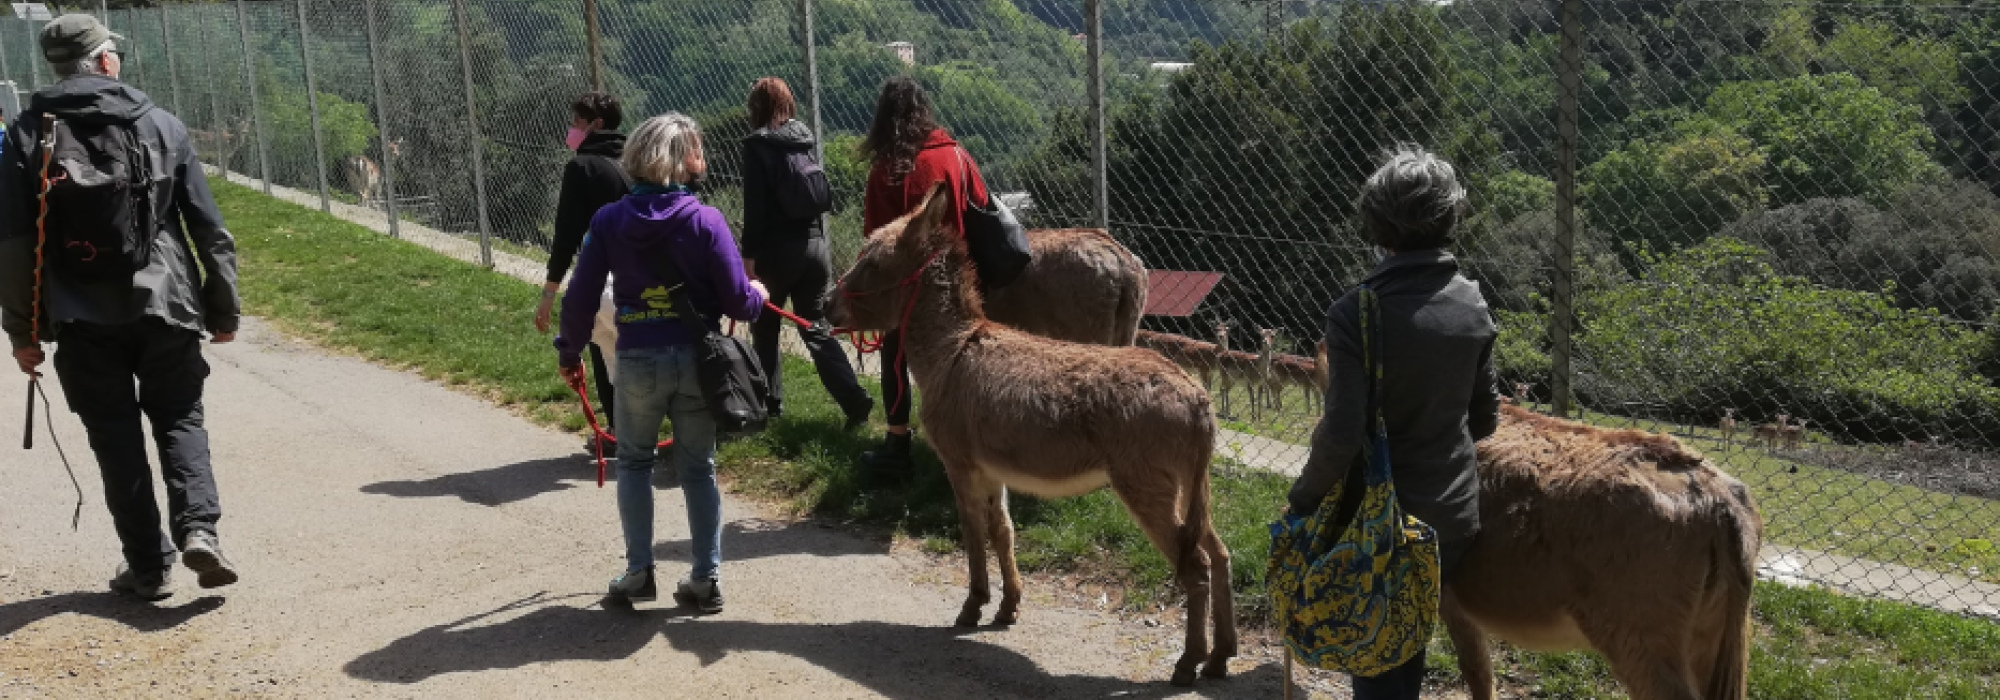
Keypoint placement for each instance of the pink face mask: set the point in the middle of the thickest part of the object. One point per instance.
(575, 137)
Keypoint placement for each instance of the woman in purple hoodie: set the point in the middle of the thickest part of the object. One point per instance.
(660, 223)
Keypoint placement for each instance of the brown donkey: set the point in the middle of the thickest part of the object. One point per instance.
(1082, 286)
(1618, 541)
(1010, 410)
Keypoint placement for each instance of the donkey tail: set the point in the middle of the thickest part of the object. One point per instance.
(1736, 569)
(1131, 305)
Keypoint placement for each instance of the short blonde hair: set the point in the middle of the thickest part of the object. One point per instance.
(659, 149)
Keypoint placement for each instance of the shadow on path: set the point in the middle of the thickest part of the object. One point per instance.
(552, 629)
(131, 612)
(500, 485)
(893, 660)
(757, 538)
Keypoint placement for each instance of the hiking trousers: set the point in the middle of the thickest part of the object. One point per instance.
(800, 272)
(114, 374)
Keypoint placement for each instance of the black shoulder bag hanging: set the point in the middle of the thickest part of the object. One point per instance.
(731, 380)
(995, 239)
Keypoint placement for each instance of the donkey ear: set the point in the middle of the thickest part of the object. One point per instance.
(936, 204)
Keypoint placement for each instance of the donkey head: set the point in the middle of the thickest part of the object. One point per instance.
(874, 292)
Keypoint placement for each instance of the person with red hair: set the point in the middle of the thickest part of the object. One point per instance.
(784, 245)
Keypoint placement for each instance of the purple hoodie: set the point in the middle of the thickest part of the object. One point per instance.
(628, 238)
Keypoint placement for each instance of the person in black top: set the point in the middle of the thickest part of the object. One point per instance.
(592, 179)
(789, 254)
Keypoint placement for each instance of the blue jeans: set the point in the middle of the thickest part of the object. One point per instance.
(655, 384)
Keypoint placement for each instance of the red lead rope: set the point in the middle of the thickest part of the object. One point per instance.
(863, 342)
(581, 387)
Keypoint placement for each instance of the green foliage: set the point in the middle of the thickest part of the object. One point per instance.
(1828, 136)
(346, 129)
(1659, 194)
(1931, 247)
(1715, 324)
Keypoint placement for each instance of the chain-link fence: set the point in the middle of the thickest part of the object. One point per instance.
(1769, 228)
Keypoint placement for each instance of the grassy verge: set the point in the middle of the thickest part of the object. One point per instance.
(350, 288)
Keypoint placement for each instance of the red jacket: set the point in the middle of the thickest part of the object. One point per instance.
(938, 160)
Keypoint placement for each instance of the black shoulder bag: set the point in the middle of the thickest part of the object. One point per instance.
(995, 239)
(732, 382)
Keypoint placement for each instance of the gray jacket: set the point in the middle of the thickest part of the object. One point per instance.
(174, 288)
(1437, 392)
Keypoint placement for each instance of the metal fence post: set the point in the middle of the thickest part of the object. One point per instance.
(1093, 22)
(34, 56)
(6, 71)
(594, 41)
(312, 107)
(812, 77)
(472, 121)
(256, 106)
(219, 128)
(382, 121)
(167, 47)
(1562, 289)
(103, 14)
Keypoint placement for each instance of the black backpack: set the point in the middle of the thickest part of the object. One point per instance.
(101, 222)
(802, 189)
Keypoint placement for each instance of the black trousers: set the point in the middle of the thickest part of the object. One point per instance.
(799, 272)
(1406, 682)
(603, 381)
(112, 375)
(896, 397)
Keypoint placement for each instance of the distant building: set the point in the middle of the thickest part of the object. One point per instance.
(905, 52)
(1170, 67)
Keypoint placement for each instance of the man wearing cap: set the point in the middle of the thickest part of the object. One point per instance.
(129, 345)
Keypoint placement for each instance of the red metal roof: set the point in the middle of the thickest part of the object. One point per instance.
(1173, 293)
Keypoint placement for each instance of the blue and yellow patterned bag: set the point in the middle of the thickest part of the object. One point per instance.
(1358, 595)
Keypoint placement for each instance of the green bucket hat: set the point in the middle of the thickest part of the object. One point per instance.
(72, 37)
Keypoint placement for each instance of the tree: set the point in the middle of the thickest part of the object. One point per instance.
(1828, 136)
(1663, 193)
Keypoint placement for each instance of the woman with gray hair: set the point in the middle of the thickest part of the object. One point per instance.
(1436, 385)
(643, 240)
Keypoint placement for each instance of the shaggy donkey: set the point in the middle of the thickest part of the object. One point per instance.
(1623, 542)
(1082, 286)
(1006, 409)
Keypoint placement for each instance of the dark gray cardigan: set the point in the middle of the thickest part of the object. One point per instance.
(1437, 391)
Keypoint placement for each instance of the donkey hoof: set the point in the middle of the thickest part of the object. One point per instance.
(1006, 617)
(1218, 668)
(969, 618)
(1183, 675)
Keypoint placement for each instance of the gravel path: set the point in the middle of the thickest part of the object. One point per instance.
(401, 539)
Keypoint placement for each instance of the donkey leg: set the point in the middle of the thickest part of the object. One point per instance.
(1223, 602)
(1650, 662)
(1002, 536)
(970, 487)
(1468, 642)
(1155, 503)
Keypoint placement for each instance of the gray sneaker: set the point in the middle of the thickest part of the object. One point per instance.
(635, 587)
(202, 553)
(705, 596)
(158, 585)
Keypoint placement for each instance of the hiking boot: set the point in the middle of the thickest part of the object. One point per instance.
(201, 552)
(152, 586)
(610, 445)
(773, 408)
(705, 596)
(635, 587)
(892, 460)
(857, 415)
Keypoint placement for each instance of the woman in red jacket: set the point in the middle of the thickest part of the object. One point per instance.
(910, 153)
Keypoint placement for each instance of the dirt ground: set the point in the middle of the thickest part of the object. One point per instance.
(401, 539)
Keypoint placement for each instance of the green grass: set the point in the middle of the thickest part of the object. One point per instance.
(351, 288)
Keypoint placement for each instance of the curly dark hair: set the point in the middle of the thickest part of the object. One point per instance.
(592, 106)
(902, 123)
